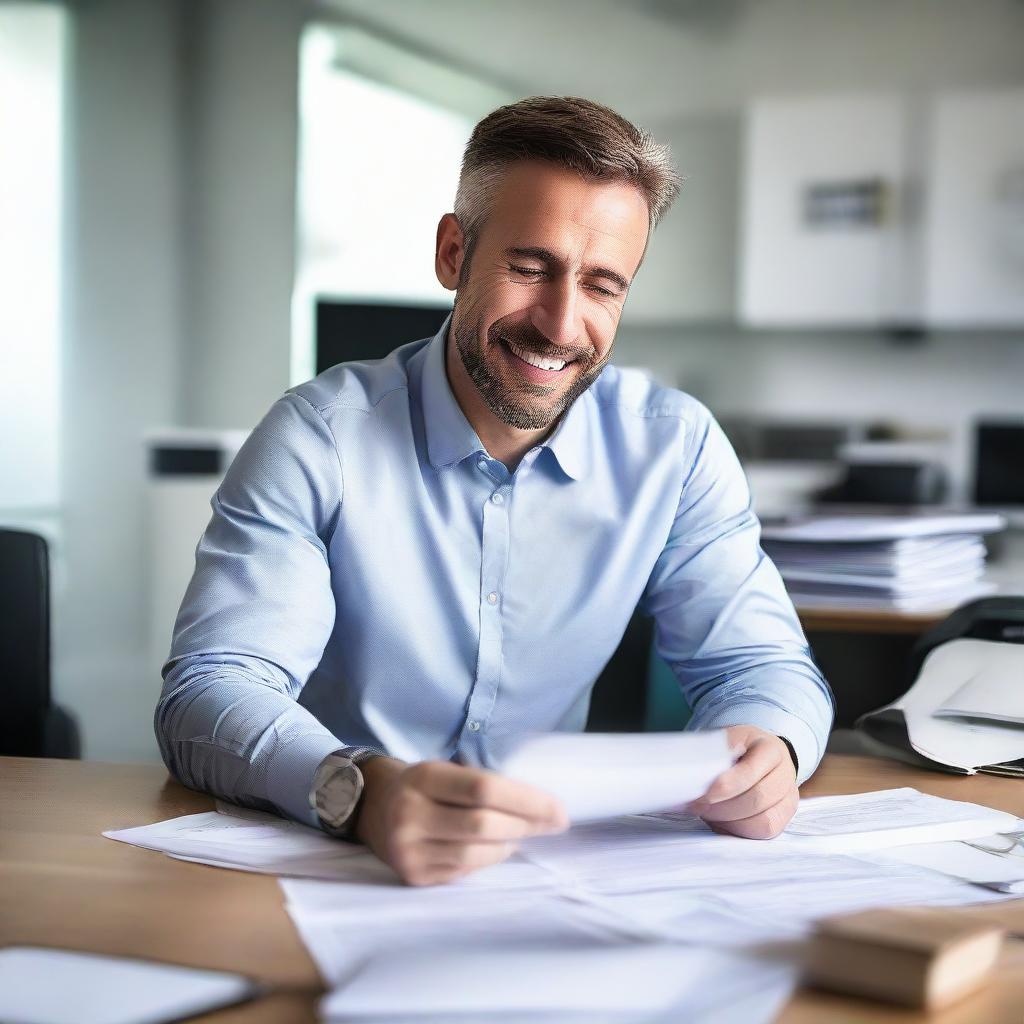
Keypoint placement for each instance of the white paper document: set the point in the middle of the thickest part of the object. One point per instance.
(62, 986)
(888, 818)
(600, 776)
(656, 982)
(861, 528)
(995, 862)
(249, 840)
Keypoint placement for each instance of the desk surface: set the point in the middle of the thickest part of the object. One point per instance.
(65, 885)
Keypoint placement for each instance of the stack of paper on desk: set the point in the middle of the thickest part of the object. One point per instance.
(913, 563)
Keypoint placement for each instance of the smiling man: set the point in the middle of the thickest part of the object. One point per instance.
(413, 561)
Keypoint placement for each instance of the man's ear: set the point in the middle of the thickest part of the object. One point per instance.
(449, 252)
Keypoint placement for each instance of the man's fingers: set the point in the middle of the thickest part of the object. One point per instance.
(766, 793)
(465, 857)
(475, 824)
(766, 825)
(758, 761)
(474, 787)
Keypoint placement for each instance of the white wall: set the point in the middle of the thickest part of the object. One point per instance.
(123, 340)
(943, 382)
(689, 271)
(240, 154)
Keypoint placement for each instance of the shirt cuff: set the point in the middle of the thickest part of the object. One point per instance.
(795, 731)
(291, 772)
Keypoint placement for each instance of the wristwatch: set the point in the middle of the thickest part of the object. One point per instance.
(337, 789)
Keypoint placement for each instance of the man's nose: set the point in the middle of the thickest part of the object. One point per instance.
(556, 315)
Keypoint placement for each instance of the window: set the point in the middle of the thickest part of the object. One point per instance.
(379, 159)
(31, 130)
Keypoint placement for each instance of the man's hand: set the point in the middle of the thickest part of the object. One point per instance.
(757, 796)
(436, 821)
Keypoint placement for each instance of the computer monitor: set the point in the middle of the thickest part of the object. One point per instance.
(365, 330)
(999, 463)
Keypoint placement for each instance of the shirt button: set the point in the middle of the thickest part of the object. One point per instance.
(492, 598)
(497, 498)
(473, 726)
(482, 464)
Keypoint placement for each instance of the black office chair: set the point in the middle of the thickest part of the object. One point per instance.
(619, 699)
(31, 725)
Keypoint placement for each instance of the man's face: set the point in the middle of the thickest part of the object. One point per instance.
(546, 285)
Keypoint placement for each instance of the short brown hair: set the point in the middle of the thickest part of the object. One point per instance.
(578, 134)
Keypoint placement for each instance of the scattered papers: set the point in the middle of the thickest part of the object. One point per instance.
(629, 918)
(959, 715)
(600, 776)
(649, 878)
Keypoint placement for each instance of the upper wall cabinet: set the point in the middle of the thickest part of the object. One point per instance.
(827, 212)
(878, 211)
(974, 239)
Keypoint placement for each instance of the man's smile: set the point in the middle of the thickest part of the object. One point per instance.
(536, 369)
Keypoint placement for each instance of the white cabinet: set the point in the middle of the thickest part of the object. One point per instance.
(974, 266)
(874, 211)
(827, 219)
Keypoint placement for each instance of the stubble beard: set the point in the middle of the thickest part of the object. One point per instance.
(520, 403)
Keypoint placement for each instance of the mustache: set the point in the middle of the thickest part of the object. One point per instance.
(527, 337)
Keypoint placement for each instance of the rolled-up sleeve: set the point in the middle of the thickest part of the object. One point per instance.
(724, 622)
(254, 622)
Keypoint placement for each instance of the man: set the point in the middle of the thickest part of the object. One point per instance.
(448, 543)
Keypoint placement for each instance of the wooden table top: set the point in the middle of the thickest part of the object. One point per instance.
(64, 885)
(859, 620)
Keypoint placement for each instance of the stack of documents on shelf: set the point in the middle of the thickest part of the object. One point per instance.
(903, 563)
(964, 713)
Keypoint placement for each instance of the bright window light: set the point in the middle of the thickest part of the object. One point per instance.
(378, 166)
(31, 129)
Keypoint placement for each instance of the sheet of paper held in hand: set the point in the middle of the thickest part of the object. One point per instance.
(598, 775)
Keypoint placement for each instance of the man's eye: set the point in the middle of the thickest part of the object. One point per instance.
(604, 292)
(526, 271)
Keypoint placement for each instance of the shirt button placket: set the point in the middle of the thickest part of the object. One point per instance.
(494, 555)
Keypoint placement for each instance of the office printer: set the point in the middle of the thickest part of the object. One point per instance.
(964, 709)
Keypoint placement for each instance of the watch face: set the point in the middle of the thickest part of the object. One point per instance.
(338, 793)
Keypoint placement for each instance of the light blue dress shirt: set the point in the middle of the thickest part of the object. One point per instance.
(371, 577)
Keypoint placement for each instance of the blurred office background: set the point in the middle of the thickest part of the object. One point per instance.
(202, 201)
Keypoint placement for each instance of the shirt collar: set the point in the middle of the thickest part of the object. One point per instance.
(451, 438)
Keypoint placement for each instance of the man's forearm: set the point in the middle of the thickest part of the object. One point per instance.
(231, 727)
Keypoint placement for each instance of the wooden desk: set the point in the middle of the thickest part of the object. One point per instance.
(858, 620)
(62, 884)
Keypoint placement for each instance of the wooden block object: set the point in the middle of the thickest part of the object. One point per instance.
(911, 956)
